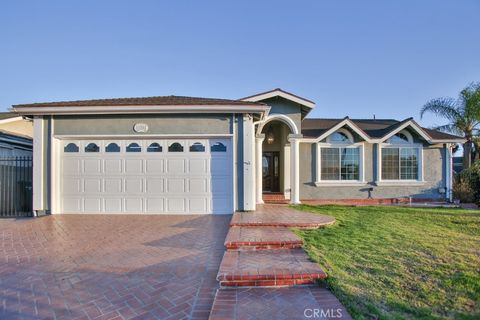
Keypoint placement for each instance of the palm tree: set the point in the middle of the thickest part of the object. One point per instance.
(463, 115)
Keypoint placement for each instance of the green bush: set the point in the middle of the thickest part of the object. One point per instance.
(471, 178)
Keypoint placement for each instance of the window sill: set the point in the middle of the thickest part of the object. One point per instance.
(340, 183)
(399, 183)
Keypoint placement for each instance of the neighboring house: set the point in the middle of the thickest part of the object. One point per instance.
(15, 135)
(176, 154)
(12, 123)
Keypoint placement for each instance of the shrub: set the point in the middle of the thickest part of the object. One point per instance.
(467, 186)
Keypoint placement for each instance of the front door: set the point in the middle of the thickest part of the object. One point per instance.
(271, 171)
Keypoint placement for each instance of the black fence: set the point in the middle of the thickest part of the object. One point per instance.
(16, 187)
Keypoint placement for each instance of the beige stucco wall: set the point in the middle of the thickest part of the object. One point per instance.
(21, 127)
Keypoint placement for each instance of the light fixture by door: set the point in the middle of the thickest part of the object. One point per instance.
(270, 135)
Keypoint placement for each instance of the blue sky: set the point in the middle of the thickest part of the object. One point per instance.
(355, 58)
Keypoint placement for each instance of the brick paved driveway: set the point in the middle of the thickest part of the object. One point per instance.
(110, 267)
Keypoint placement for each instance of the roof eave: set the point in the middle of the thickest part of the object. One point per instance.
(130, 109)
(280, 93)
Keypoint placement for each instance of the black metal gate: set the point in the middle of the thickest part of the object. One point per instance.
(16, 187)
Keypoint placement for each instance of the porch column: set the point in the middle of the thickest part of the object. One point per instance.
(295, 167)
(258, 167)
(38, 164)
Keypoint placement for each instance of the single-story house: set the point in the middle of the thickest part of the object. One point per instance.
(174, 154)
(15, 136)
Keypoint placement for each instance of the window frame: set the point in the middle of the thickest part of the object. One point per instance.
(340, 145)
(399, 146)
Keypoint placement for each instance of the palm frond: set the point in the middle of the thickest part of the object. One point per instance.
(442, 107)
(470, 99)
(449, 128)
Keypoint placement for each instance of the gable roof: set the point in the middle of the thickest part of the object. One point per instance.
(8, 115)
(155, 104)
(277, 92)
(157, 100)
(376, 130)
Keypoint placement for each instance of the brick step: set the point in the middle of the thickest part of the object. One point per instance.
(276, 201)
(268, 268)
(280, 216)
(273, 197)
(261, 238)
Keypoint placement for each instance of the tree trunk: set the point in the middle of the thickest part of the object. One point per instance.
(476, 154)
(467, 154)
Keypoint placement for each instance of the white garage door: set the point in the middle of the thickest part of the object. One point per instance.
(146, 176)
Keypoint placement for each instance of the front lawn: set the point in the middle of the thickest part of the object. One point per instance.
(397, 263)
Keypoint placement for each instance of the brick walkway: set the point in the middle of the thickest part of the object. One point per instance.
(264, 271)
(110, 267)
(277, 303)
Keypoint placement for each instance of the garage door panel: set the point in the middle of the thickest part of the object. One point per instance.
(198, 185)
(92, 166)
(113, 186)
(72, 166)
(113, 205)
(220, 185)
(134, 166)
(133, 185)
(175, 166)
(154, 166)
(92, 185)
(218, 167)
(155, 185)
(175, 185)
(72, 205)
(71, 185)
(154, 205)
(176, 205)
(92, 205)
(134, 205)
(193, 180)
(113, 166)
(197, 166)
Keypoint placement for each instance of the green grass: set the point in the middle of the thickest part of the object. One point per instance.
(400, 263)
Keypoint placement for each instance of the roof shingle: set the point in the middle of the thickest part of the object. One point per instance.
(144, 101)
(374, 128)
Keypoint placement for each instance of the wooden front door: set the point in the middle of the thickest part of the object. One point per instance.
(271, 171)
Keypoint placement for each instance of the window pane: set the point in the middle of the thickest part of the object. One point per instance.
(154, 147)
(390, 165)
(330, 162)
(71, 147)
(175, 147)
(92, 147)
(350, 164)
(339, 137)
(112, 147)
(399, 138)
(218, 147)
(134, 147)
(409, 163)
(197, 147)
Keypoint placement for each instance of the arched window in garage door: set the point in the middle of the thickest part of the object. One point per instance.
(175, 147)
(71, 147)
(154, 147)
(134, 147)
(112, 147)
(92, 147)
